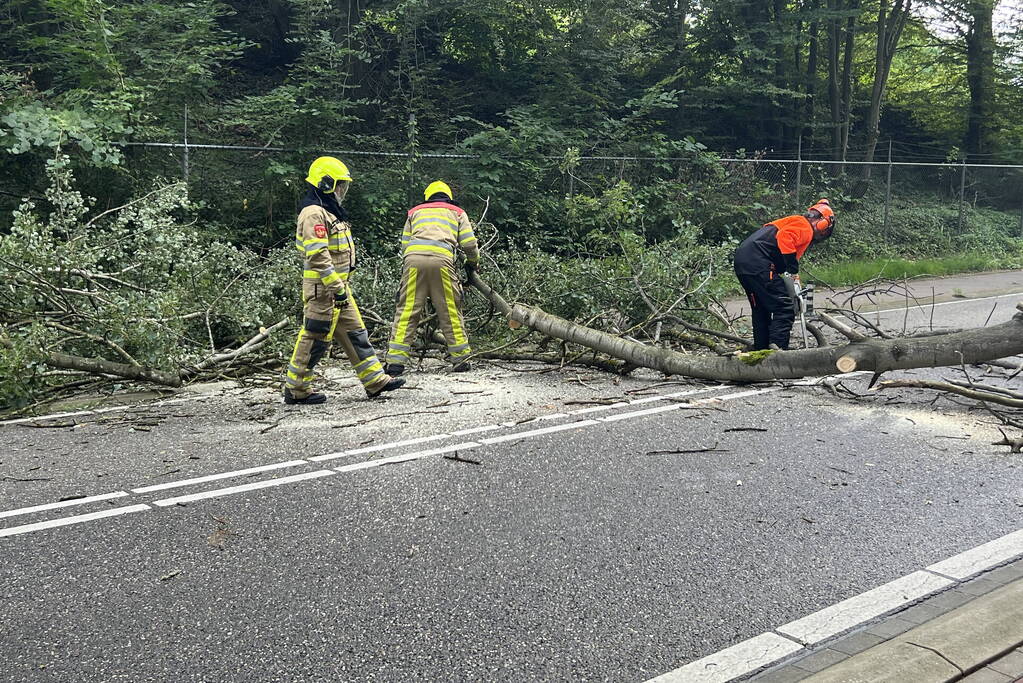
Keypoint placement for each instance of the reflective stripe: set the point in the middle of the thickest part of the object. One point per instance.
(449, 299)
(410, 301)
(365, 364)
(397, 357)
(368, 381)
(332, 278)
(432, 243)
(315, 275)
(294, 369)
(438, 221)
(428, 249)
(458, 349)
(376, 368)
(467, 240)
(395, 346)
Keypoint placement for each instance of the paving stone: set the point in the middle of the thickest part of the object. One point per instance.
(786, 674)
(978, 587)
(820, 660)
(856, 643)
(921, 613)
(1010, 665)
(987, 675)
(889, 628)
(949, 599)
(1006, 574)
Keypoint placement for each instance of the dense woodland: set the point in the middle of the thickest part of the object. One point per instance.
(540, 98)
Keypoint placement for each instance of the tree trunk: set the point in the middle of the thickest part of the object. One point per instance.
(970, 346)
(980, 76)
(99, 366)
(889, 30)
(811, 73)
(834, 97)
(847, 68)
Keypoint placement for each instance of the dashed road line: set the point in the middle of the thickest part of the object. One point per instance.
(407, 457)
(63, 504)
(77, 519)
(221, 475)
(242, 488)
(537, 432)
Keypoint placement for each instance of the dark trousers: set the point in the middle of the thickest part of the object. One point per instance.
(773, 312)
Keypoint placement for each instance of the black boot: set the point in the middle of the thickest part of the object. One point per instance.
(395, 383)
(394, 370)
(310, 400)
(462, 367)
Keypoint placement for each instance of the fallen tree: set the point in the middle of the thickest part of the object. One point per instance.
(861, 353)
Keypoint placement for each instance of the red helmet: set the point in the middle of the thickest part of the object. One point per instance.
(823, 226)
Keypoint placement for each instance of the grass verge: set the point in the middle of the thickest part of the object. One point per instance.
(857, 272)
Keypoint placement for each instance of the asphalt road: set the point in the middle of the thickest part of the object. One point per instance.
(575, 553)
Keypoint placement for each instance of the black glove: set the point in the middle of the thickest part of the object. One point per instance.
(470, 268)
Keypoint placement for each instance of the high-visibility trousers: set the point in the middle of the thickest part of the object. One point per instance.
(426, 277)
(325, 321)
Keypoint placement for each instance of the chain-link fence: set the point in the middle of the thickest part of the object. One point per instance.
(260, 184)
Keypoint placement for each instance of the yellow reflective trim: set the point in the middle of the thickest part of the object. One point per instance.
(470, 238)
(410, 302)
(333, 324)
(378, 366)
(449, 299)
(331, 279)
(418, 248)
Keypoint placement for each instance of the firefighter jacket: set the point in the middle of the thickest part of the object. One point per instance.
(776, 247)
(439, 229)
(323, 236)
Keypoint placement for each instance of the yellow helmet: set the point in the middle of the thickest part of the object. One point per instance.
(435, 187)
(325, 172)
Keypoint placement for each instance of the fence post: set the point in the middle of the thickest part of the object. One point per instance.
(962, 197)
(184, 160)
(888, 192)
(799, 169)
(411, 169)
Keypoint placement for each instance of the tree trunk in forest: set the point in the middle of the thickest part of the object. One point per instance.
(847, 68)
(969, 346)
(834, 97)
(811, 72)
(980, 76)
(889, 30)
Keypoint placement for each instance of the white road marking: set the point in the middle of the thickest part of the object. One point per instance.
(597, 409)
(379, 447)
(639, 413)
(475, 430)
(63, 504)
(732, 662)
(842, 616)
(254, 486)
(77, 519)
(966, 564)
(944, 303)
(407, 456)
(222, 475)
(538, 432)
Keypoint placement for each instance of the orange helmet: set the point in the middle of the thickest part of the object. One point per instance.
(825, 225)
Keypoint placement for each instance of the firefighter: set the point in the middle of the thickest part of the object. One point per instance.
(323, 237)
(434, 231)
(765, 256)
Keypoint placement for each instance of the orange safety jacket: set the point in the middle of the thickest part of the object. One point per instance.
(776, 247)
